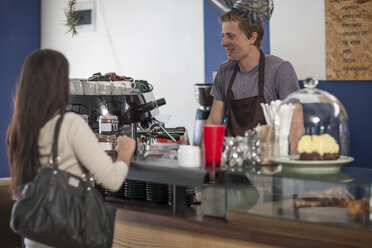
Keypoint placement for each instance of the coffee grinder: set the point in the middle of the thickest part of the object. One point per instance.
(205, 100)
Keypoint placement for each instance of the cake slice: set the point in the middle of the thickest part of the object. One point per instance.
(318, 147)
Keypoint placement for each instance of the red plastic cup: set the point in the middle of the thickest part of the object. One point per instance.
(213, 139)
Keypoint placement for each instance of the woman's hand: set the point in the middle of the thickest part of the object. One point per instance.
(125, 147)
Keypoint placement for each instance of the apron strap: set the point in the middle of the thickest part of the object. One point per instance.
(261, 74)
(232, 79)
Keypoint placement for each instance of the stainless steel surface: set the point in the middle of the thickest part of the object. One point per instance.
(151, 129)
(165, 171)
(133, 128)
(170, 136)
(125, 106)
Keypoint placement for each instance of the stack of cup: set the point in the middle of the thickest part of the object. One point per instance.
(90, 88)
(77, 84)
(104, 88)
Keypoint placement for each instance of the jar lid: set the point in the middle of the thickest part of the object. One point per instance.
(189, 147)
(108, 117)
(106, 138)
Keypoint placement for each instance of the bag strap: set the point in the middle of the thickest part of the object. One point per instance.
(54, 159)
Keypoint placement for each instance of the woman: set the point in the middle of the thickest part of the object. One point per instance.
(42, 96)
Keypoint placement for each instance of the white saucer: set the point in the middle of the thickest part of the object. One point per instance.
(312, 166)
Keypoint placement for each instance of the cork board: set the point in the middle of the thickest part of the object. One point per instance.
(348, 39)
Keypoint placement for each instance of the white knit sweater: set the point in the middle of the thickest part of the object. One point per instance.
(78, 146)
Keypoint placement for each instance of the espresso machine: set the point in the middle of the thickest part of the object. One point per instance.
(119, 108)
(132, 115)
(205, 100)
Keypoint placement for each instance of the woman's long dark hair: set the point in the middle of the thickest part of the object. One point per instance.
(42, 91)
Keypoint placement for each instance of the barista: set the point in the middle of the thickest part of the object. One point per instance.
(248, 77)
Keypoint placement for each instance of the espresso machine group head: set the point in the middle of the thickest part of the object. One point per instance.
(134, 116)
(130, 109)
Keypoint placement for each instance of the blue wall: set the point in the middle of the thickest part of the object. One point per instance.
(19, 35)
(356, 96)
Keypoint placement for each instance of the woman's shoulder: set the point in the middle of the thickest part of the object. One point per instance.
(72, 119)
(70, 122)
(71, 116)
(74, 126)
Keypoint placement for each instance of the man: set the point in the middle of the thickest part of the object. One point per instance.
(248, 77)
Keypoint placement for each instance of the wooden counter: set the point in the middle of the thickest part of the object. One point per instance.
(140, 224)
(145, 224)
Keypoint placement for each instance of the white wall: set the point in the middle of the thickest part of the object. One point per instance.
(161, 41)
(297, 34)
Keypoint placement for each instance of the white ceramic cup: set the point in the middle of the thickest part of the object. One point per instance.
(78, 86)
(128, 87)
(189, 156)
(72, 87)
(118, 87)
(104, 88)
(90, 88)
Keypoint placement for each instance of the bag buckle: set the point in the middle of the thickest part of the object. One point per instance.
(51, 162)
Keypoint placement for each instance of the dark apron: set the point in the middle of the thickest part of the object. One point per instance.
(244, 114)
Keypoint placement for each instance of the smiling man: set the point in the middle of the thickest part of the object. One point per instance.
(248, 77)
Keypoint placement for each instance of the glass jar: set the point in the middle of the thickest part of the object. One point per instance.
(108, 124)
(107, 142)
(235, 152)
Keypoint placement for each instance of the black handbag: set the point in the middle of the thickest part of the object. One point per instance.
(60, 209)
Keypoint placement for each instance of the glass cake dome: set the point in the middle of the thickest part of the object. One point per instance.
(314, 114)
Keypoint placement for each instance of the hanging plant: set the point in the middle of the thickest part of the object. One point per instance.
(72, 17)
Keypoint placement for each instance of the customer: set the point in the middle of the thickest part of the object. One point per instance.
(42, 96)
(248, 78)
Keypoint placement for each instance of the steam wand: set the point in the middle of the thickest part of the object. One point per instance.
(165, 131)
(155, 123)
